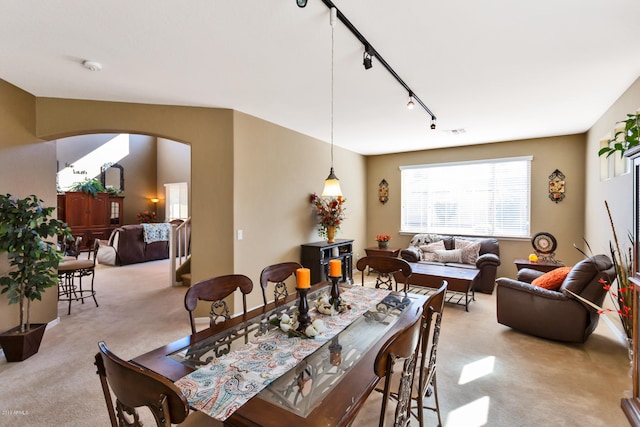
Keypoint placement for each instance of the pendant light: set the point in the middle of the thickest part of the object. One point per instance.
(332, 183)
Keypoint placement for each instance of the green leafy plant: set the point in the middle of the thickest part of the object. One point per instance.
(624, 140)
(90, 186)
(113, 191)
(25, 227)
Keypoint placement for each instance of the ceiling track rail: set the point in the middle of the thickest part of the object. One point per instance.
(374, 53)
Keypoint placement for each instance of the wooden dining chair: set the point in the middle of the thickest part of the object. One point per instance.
(215, 290)
(401, 348)
(277, 274)
(426, 384)
(135, 387)
(389, 269)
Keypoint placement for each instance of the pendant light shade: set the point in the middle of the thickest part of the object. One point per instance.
(332, 186)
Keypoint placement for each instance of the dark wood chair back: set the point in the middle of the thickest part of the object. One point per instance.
(135, 387)
(277, 274)
(388, 268)
(431, 321)
(403, 345)
(216, 290)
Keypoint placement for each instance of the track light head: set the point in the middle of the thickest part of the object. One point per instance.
(366, 58)
(410, 104)
(301, 3)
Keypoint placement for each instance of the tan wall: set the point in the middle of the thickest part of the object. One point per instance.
(174, 165)
(617, 191)
(565, 220)
(27, 166)
(276, 170)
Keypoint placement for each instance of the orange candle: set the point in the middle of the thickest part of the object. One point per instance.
(303, 278)
(335, 267)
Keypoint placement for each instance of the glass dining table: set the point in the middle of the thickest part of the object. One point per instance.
(327, 388)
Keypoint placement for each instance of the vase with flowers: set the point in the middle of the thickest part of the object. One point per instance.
(383, 240)
(330, 213)
(147, 217)
(621, 290)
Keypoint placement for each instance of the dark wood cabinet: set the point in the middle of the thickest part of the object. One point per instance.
(91, 217)
(631, 406)
(316, 256)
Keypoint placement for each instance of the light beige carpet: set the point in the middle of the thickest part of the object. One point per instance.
(487, 374)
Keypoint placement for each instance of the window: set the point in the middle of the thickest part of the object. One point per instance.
(177, 201)
(481, 198)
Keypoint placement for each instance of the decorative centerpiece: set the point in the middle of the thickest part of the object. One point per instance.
(332, 304)
(330, 212)
(383, 240)
(287, 324)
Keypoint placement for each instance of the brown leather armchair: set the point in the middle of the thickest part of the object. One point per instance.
(555, 315)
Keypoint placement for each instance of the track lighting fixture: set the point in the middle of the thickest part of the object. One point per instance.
(366, 58)
(410, 104)
(370, 52)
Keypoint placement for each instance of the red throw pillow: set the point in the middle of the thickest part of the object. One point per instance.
(553, 279)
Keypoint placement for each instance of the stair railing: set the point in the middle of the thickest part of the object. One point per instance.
(179, 248)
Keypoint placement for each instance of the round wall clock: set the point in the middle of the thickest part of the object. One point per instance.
(544, 243)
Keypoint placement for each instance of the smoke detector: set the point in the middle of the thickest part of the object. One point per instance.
(92, 65)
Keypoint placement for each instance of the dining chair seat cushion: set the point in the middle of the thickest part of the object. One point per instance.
(74, 264)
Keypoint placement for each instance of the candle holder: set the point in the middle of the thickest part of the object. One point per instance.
(335, 352)
(335, 299)
(304, 320)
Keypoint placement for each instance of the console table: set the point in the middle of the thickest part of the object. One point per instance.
(316, 256)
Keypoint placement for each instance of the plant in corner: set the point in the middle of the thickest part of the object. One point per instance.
(624, 139)
(26, 229)
(621, 291)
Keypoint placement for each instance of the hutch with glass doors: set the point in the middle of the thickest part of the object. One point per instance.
(631, 405)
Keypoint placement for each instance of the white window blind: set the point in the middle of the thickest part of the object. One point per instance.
(481, 198)
(177, 201)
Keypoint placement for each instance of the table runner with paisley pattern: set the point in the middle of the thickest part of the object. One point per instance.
(224, 385)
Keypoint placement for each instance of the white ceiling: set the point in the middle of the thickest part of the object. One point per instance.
(500, 69)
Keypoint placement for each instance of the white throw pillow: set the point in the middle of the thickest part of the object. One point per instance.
(470, 250)
(454, 255)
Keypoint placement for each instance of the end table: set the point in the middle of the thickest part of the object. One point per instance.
(544, 266)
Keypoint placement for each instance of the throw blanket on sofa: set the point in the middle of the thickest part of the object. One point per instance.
(156, 232)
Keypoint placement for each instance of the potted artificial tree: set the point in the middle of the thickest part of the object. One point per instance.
(25, 227)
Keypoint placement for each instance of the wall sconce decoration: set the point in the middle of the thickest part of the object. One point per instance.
(383, 191)
(556, 186)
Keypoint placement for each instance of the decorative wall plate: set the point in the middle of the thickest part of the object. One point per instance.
(544, 243)
(383, 191)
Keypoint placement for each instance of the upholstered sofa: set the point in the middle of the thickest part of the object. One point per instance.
(555, 314)
(480, 253)
(128, 245)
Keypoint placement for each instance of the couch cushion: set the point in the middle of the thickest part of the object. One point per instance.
(453, 255)
(553, 279)
(470, 250)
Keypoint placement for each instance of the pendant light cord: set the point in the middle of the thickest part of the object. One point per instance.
(332, 22)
